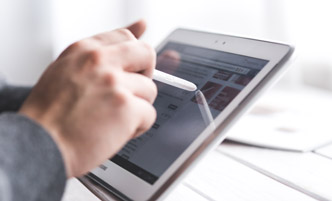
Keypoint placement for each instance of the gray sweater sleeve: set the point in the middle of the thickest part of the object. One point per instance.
(12, 97)
(31, 166)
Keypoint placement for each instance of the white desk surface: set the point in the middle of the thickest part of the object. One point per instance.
(236, 172)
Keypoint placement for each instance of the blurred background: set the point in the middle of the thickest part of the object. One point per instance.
(34, 32)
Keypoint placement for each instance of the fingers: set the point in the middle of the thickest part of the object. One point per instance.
(146, 114)
(113, 37)
(121, 46)
(138, 114)
(140, 86)
(137, 28)
(101, 40)
(132, 32)
(136, 57)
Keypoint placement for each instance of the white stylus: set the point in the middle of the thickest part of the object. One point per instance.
(174, 81)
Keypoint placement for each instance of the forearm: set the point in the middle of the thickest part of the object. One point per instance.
(31, 165)
(12, 97)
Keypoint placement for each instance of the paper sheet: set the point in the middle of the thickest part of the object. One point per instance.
(309, 173)
(325, 151)
(219, 177)
(291, 120)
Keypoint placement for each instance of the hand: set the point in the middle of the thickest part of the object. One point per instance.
(96, 96)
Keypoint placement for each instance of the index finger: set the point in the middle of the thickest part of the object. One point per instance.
(137, 28)
(132, 32)
(115, 36)
(135, 57)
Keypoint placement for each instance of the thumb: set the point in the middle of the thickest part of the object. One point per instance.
(137, 28)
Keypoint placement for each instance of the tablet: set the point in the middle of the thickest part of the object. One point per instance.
(229, 73)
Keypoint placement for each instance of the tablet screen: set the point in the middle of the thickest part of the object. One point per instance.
(183, 115)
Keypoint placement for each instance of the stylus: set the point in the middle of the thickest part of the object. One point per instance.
(173, 81)
(204, 109)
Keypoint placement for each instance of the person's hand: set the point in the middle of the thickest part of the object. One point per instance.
(96, 96)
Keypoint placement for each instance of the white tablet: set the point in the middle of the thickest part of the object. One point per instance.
(229, 72)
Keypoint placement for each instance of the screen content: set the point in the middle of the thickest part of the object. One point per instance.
(183, 115)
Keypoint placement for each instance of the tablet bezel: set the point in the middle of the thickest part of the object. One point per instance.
(128, 186)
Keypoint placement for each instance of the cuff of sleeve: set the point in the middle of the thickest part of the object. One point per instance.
(12, 97)
(31, 159)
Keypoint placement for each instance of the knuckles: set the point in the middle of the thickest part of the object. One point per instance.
(95, 57)
(76, 46)
(121, 99)
(126, 34)
(82, 44)
(110, 79)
